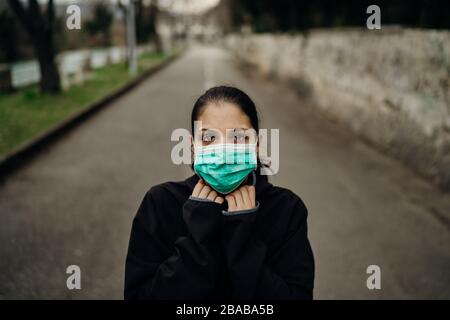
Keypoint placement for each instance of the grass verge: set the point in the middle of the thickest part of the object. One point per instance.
(27, 113)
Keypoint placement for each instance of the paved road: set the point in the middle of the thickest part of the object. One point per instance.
(73, 204)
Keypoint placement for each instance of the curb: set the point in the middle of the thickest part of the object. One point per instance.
(22, 154)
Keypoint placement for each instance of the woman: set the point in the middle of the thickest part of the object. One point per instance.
(225, 232)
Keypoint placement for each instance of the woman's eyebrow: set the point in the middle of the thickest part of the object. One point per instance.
(213, 129)
(236, 129)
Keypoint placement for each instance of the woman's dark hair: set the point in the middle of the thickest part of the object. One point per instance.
(230, 95)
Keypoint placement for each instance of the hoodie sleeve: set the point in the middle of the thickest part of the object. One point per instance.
(287, 273)
(189, 270)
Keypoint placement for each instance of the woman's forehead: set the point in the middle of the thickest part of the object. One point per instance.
(222, 116)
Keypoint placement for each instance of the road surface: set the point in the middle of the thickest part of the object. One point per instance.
(73, 204)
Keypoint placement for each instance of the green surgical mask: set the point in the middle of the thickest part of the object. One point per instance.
(225, 166)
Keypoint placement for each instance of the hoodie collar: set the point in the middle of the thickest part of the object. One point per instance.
(262, 182)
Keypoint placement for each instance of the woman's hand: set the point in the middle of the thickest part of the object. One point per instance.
(241, 199)
(203, 191)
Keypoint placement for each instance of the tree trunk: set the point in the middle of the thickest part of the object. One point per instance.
(50, 79)
(154, 20)
(40, 28)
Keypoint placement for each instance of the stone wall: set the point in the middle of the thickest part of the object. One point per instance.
(390, 86)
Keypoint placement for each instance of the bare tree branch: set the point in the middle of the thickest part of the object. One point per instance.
(29, 16)
(35, 9)
(21, 13)
(40, 28)
(51, 16)
(51, 11)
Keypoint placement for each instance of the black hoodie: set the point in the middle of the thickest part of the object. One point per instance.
(185, 248)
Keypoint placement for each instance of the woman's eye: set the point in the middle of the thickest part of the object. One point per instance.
(208, 138)
(240, 138)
